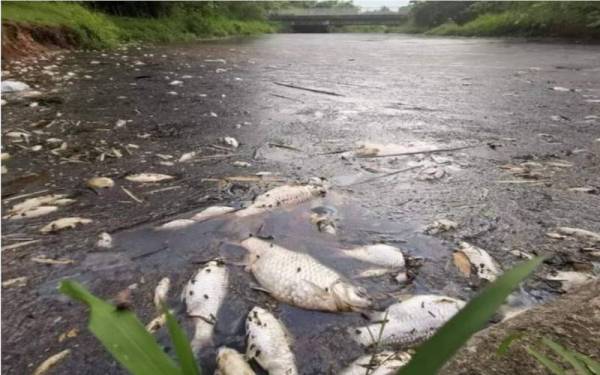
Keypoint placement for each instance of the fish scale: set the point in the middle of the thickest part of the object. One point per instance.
(300, 280)
(410, 321)
(269, 343)
(203, 295)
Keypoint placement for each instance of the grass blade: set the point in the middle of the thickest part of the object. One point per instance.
(594, 366)
(550, 365)
(182, 345)
(122, 334)
(434, 353)
(566, 355)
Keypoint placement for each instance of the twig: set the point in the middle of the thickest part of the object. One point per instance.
(163, 189)
(19, 244)
(24, 195)
(419, 152)
(383, 176)
(288, 98)
(132, 196)
(284, 146)
(307, 89)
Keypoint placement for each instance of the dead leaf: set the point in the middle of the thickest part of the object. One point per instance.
(462, 263)
(68, 335)
(64, 223)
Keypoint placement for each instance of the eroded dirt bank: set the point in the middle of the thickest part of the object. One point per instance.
(21, 40)
(529, 113)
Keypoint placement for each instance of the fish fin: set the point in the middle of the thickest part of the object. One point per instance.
(260, 288)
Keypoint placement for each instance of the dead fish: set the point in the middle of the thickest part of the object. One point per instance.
(231, 362)
(441, 225)
(580, 233)
(380, 254)
(570, 279)
(34, 212)
(561, 89)
(584, 189)
(50, 362)
(282, 196)
(100, 183)
(300, 280)
(230, 141)
(176, 224)
(241, 164)
(4, 156)
(210, 212)
(269, 343)
(187, 156)
(32, 203)
(161, 291)
(64, 223)
(382, 363)
(149, 177)
(105, 241)
(203, 296)
(469, 258)
(408, 322)
(323, 218)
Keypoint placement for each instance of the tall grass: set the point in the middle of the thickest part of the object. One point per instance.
(95, 29)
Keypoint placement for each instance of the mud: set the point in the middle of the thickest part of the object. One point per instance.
(21, 40)
(297, 104)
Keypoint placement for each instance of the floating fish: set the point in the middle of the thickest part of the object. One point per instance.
(34, 212)
(269, 343)
(580, 233)
(408, 322)
(187, 156)
(100, 183)
(300, 280)
(203, 295)
(149, 177)
(282, 196)
(230, 362)
(570, 279)
(379, 254)
(210, 212)
(176, 224)
(32, 203)
(469, 258)
(64, 223)
(383, 363)
(230, 141)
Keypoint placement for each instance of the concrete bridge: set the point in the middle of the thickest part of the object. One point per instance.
(322, 20)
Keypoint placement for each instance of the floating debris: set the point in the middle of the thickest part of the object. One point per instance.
(582, 234)
(300, 280)
(282, 196)
(230, 141)
(383, 363)
(149, 177)
(470, 260)
(105, 241)
(44, 260)
(241, 164)
(34, 212)
(187, 156)
(16, 282)
(176, 224)
(210, 212)
(100, 183)
(120, 123)
(570, 279)
(431, 173)
(269, 343)
(161, 291)
(230, 362)
(556, 236)
(408, 322)
(10, 86)
(323, 218)
(64, 223)
(203, 296)
(584, 189)
(73, 332)
(441, 225)
(51, 362)
(561, 89)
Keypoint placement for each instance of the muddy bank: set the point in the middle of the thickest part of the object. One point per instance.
(21, 40)
(296, 116)
(573, 320)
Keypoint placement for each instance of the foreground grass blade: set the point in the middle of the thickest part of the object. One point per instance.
(550, 365)
(592, 365)
(122, 334)
(182, 345)
(567, 356)
(434, 353)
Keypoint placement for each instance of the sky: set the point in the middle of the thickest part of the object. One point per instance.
(376, 4)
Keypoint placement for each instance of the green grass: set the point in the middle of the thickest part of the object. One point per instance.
(531, 19)
(98, 30)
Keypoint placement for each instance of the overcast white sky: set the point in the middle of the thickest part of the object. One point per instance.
(376, 4)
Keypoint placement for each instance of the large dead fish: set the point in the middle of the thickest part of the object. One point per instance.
(203, 295)
(300, 280)
(408, 322)
(282, 196)
(383, 363)
(230, 362)
(470, 259)
(269, 343)
(580, 233)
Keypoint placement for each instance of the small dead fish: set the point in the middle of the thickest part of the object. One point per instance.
(300, 280)
(380, 254)
(408, 322)
(100, 183)
(34, 212)
(210, 212)
(584, 189)
(105, 241)
(382, 363)
(561, 89)
(269, 343)
(282, 196)
(570, 279)
(50, 362)
(580, 233)
(149, 177)
(188, 156)
(161, 291)
(32, 203)
(64, 223)
(230, 141)
(176, 224)
(231, 362)
(241, 164)
(469, 258)
(203, 296)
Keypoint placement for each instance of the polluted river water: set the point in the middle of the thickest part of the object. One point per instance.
(339, 107)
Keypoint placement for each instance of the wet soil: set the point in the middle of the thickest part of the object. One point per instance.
(297, 104)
